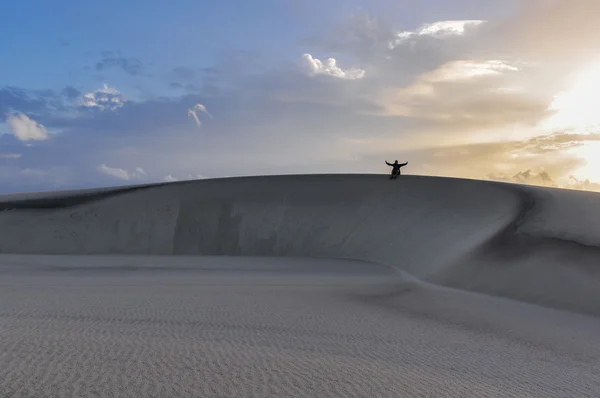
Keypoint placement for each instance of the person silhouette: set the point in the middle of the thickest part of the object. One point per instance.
(395, 168)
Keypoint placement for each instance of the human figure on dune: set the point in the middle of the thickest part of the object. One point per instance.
(395, 168)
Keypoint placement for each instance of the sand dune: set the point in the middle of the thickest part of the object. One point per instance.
(532, 244)
(323, 285)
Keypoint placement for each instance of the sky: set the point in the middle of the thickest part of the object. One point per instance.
(115, 93)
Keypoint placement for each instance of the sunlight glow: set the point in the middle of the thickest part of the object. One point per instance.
(578, 109)
(590, 152)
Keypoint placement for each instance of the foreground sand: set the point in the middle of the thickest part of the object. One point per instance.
(200, 327)
(309, 286)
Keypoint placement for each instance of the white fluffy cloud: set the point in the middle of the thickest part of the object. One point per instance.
(105, 98)
(26, 129)
(315, 66)
(440, 29)
(122, 174)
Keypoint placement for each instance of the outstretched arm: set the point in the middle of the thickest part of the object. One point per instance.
(403, 164)
(389, 164)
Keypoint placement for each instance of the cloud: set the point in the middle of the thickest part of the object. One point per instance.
(105, 98)
(466, 96)
(15, 98)
(185, 72)
(193, 112)
(34, 172)
(208, 81)
(26, 129)
(43, 104)
(70, 93)
(534, 33)
(10, 155)
(189, 87)
(170, 178)
(558, 141)
(439, 30)
(583, 185)
(457, 97)
(448, 28)
(122, 174)
(463, 70)
(454, 78)
(32, 179)
(531, 34)
(528, 177)
(114, 59)
(544, 179)
(329, 67)
(543, 160)
(531, 177)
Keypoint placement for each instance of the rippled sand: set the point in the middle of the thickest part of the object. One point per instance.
(216, 326)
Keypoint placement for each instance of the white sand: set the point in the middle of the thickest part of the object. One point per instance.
(188, 325)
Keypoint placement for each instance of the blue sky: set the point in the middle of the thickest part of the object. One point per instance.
(121, 92)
